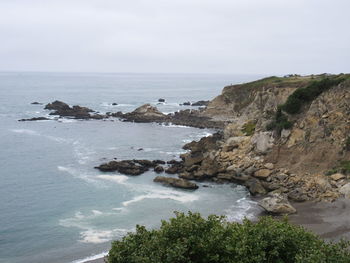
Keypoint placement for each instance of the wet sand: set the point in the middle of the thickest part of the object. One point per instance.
(330, 221)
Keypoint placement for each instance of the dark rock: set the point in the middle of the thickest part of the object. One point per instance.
(146, 163)
(159, 162)
(114, 104)
(175, 169)
(35, 119)
(140, 149)
(298, 195)
(57, 105)
(159, 169)
(161, 100)
(77, 112)
(128, 167)
(201, 103)
(193, 158)
(174, 162)
(144, 113)
(255, 187)
(36, 103)
(175, 182)
(187, 103)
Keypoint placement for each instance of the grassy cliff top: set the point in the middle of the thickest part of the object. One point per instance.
(289, 81)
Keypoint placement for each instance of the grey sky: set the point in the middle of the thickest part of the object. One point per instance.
(218, 36)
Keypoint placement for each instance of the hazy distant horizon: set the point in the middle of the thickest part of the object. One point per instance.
(254, 37)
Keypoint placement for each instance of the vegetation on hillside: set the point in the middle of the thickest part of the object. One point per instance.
(300, 97)
(194, 239)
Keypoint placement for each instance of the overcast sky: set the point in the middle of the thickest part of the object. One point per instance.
(183, 36)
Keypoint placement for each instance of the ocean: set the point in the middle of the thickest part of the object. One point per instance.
(55, 207)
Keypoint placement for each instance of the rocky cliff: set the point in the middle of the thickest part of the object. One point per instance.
(308, 159)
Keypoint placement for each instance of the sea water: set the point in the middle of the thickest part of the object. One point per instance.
(54, 206)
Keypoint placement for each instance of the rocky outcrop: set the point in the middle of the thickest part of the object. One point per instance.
(175, 182)
(77, 112)
(128, 167)
(148, 113)
(201, 103)
(292, 163)
(144, 113)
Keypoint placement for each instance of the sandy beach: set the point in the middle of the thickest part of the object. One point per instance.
(330, 221)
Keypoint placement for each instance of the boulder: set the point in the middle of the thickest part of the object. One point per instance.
(114, 104)
(262, 173)
(77, 112)
(161, 100)
(345, 190)
(277, 204)
(148, 110)
(174, 169)
(144, 113)
(57, 105)
(269, 166)
(255, 187)
(337, 176)
(36, 103)
(262, 141)
(298, 195)
(128, 167)
(159, 169)
(191, 159)
(187, 103)
(175, 182)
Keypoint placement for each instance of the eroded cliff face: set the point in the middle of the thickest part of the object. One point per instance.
(295, 163)
(255, 101)
(317, 141)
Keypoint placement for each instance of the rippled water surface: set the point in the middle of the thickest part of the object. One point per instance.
(55, 207)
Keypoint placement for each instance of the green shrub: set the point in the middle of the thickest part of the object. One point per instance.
(347, 144)
(344, 167)
(280, 122)
(248, 128)
(193, 239)
(302, 95)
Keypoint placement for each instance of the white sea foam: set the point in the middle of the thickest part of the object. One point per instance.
(120, 179)
(170, 125)
(65, 120)
(77, 174)
(26, 131)
(35, 133)
(96, 236)
(93, 257)
(243, 208)
(164, 194)
(82, 152)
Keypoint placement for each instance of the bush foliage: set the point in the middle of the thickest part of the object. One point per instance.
(299, 97)
(248, 128)
(194, 239)
(303, 95)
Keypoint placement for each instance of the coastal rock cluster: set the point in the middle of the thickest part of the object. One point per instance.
(308, 161)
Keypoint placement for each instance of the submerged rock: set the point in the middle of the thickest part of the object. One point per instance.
(35, 119)
(175, 182)
(161, 100)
